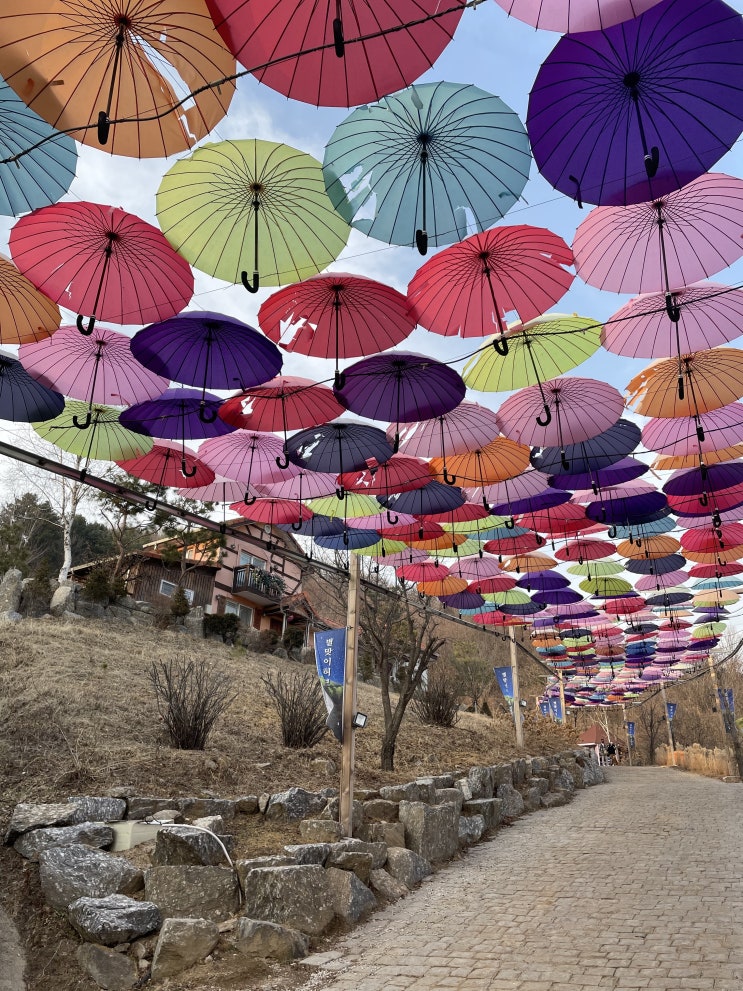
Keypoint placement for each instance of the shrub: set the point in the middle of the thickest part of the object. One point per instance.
(37, 593)
(293, 638)
(179, 607)
(298, 700)
(224, 626)
(438, 703)
(266, 641)
(190, 696)
(98, 585)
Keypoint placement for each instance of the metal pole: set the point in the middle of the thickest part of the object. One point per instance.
(626, 733)
(349, 699)
(516, 694)
(668, 723)
(562, 695)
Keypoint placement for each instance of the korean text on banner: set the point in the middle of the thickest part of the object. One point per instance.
(504, 677)
(330, 651)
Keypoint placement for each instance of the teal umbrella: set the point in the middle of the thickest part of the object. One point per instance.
(432, 163)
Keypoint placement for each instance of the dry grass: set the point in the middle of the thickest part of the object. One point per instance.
(78, 716)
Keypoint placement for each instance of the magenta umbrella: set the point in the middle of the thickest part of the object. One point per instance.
(469, 288)
(169, 466)
(688, 235)
(708, 314)
(562, 411)
(96, 368)
(101, 261)
(570, 16)
(469, 427)
(680, 436)
(246, 456)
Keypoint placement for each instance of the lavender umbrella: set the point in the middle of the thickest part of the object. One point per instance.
(625, 470)
(177, 414)
(575, 15)
(638, 110)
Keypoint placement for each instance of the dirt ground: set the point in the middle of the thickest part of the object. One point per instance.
(78, 716)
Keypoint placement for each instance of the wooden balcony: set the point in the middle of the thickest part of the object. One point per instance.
(256, 584)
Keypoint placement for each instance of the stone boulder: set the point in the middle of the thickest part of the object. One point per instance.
(389, 833)
(432, 831)
(503, 774)
(181, 944)
(197, 808)
(377, 850)
(332, 812)
(413, 791)
(386, 887)
(465, 787)
(11, 589)
(176, 846)
(554, 798)
(481, 782)
(266, 940)
(380, 810)
(350, 897)
(308, 853)
(114, 919)
(452, 795)
(513, 802)
(298, 897)
(145, 807)
(359, 863)
(564, 781)
(97, 834)
(109, 969)
(320, 831)
(491, 809)
(27, 816)
(97, 809)
(296, 803)
(406, 866)
(71, 872)
(247, 805)
(191, 892)
(471, 829)
(532, 799)
(519, 772)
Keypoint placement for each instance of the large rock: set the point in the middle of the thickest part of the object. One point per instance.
(503, 774)
(96, 834)
(349, 896)
(266, 940)
(532, 799)
(296, 803)
(190, 892)
(377, 850)
(197, 808)
(380, 810)
(471, 829)
(177, 846)
(386, 887)
(481, 782)
(359, 863)
(414, 791)
(513, 802)
(181, 944)
(97, 809)
(452, 795)
(270, 860)
(432, 831)
(465, 787)
(332, 812)
(297, 897)
(27, 816)
(114, 919)
(541, 784)
(308, 853)
(407, 866)
(564, 781)
(109, 969)
(575, 771)
(71, 872)
(320, 831)
(11, 589)
(519, 772)
(389, 833)
(489, 808)
(554, 798)
(144, 807)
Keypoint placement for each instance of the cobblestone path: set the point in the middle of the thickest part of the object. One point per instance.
(636, 884)
(11, 957)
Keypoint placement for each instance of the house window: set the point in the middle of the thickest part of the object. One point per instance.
(248, 559)
(245, 613)
(168, 589)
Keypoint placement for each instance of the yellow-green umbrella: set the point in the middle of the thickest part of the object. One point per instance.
(538, 351)
(353, 504)
(607, 586)
(467, 549)
(382, 548)
(241, 207)
(104, 439)
(595, 569)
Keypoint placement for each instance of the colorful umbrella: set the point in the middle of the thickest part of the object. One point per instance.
(587, 461)
(500, 459)
(272, 511)
(22, 398)
(237, 204)
(664, 244)
(336, 54)
(285, 403)
(466, 428)
(431, 499)
(26, 315)
(399, 474)
(427, 164)
(338, 447)
(98, 368)
(493, 273)
(177, 414)
(105, 440)
(248, 457)
(680, 436)
(303, 485)
(571, 16)
(101, 261)
(540, 350)
(561, 411)
(208, 350)
(168, 466)
(633, 112)
(697, 383)
(40, 177)
(336, 316)
(64, 61)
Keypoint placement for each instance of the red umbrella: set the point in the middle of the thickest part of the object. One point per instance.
(623, 606)
(557, 521)
(468, 512)
(585, 550)
(716, 570)
(712, 539)
(334, 53)
(470, 287)
(399, 474)
(286, 402)
(171, 467)
(336, 316)
(513, 545)
(498, 583)
(423, 571)
(101, 261)
(273, 511)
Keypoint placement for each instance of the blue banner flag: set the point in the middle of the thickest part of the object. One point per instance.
(630, 729)
(330, 655)
(544, 708)
(671, 710)
(504, 677)
(556, 708)
(727, 707)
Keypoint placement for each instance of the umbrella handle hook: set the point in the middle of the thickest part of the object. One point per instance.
(297, 526)
(340, 494)
(85, 331)
(186, 471)
(150, 505)
(207, 415)
(249, 500)
(449, 479)
(544, 421)
(564, 461)
(84, 423)
(340, 380)
(704, 499)
(539, 539)
(282, 462)
(338, 39)
(509, 524)
(252, 285)
(393, 522)
(578, 193)
(672, 308)
(611, 532)
(501, 346)
(421, 241)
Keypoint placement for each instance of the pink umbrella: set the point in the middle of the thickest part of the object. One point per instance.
(469, 288)
(248, 457)
(650, 583)
(708, 314)
(169, 466)
(272, 511)
(336, 315)
(96, 368)
(679, 436)
(710, 540)
(469, 427)
(477, 568)
(220, 490)
(303, 485)
(101, 261)
(332, 53)
(696, 229)
(411, 555)
(529, 484)
(562, 411)
(570, 16)
(424, 571)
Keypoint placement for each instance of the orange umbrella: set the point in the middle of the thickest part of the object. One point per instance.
(724, 555)
(500, 459)
(26, 315)
(695, 383)
(83, 66)
(439, 543)
(447, 586)
(669, 462)
(529, 562)
(648, 547)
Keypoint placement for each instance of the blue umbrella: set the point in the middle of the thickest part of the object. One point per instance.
(22, 398)
(42, 176)
(432, 498)
(429, 163)
(590, 455)
(348, 540)
(338, 448)
(657, 566)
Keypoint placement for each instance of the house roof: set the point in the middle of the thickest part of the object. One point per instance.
(593, 736)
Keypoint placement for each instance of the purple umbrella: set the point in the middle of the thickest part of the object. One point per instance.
(432, 498)
(178, 414)
(463, 600)
(627, 510)
(400, 387)
(622, 471)
(337, 448)
(546, 581)
(22, 398)
(316, 526)
(558, 597)
(697, 481)
(588, 456)
(547, 499)
(638, 110)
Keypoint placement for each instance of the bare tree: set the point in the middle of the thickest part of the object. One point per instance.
(650, 719)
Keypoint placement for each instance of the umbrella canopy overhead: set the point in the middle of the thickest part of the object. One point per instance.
(22, 398)
(571, 16)
(26, 315)
(699, 382)
(250, 211)
(426, 164)
(177, 414)
(63, 59)
(467, 427)
(105, 439)
(336, 56)
(338, 447)
(165, 465)
(680, 436)
(633, 112)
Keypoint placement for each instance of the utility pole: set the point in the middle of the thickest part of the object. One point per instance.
(668, 723)
(349, 698)
(516, 694)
